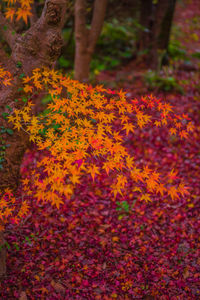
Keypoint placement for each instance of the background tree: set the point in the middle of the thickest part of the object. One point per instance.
(86, 38)
(156, 19)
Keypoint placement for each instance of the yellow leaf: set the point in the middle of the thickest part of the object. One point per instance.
(93, 169)
(146, 197)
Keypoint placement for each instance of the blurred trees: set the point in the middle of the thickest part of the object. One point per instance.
(156, 18)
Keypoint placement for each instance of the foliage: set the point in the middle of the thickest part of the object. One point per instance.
(19, 12)
(116, 43)
(176, 51)
(77, 132)
(162, 81)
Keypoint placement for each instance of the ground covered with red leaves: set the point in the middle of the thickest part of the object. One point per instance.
(89, 250)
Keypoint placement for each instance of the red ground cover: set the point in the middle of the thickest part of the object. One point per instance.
(85, 250)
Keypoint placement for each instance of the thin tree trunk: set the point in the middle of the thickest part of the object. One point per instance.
(161, 29)
(82, 65)
(39, 46)
(163, 38)
(144, 39)
(86, 39)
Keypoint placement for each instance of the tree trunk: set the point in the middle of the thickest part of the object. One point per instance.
(161, 29)
(163, 38)
(144, 38)
(157, 20)
(82, 65)
(39, 46)
(86, 39)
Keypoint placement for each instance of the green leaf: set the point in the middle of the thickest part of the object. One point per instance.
(16, 246)
(8, 107)
(125, 206)
(5, 27)
(24, 99)
(28, 240)
(21, 75)
(8, 246)
(4, 115)
(19, 64)
(9, 131)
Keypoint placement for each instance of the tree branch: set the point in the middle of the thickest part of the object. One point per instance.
(97, 22)
(42, 42)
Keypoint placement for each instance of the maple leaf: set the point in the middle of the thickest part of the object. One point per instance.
(28, 88)
(23, 12)
(172, 131)
(146, 198)
(128, 127)
(10, 12)
(157, 123)
(183, 134)
(172, 175)
(54, 199)
(146, 172)
(151, 184)
(172, 192)
(108, 165)
(129, 161)
(182, 189)
(93, 169)
(190, 127)
(160, 189)
(121, 181)
(6, 81)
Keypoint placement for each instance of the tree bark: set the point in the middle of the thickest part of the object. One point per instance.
(86, 38)
(157, 19)
(146, 10)
(161, 29)
(39, 46)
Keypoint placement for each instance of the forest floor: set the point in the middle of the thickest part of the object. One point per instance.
(89, 250)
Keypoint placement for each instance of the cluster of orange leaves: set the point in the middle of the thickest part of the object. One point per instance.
(80, 124)
(5, 77)
(20, 11)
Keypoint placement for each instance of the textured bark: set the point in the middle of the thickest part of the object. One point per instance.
(39, 46)
(86, 39)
